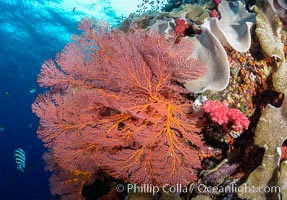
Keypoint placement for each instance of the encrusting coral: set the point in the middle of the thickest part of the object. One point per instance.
(271, 121)
(270, 132)
(268, 30)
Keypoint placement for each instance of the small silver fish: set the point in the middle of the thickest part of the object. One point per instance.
(20, 159)
(32, 90)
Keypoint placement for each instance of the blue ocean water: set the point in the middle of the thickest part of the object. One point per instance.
(31, 31)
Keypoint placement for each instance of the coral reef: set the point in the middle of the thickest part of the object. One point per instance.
(166, 100)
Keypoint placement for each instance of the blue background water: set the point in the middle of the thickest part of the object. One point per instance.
(31, 31)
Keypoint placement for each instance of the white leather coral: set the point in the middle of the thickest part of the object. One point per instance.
(209, 49)
(233, 29)
(279, 7)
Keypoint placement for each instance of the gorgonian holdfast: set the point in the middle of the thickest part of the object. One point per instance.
(116, 102)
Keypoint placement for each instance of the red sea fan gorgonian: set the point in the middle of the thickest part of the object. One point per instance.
(116, 103)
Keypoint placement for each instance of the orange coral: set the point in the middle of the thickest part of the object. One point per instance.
(118, 104)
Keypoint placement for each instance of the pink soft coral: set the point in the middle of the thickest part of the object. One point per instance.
(216, 2)
(221, 114)
(180, 27)
(214, 13)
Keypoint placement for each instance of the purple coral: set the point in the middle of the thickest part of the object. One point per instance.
(222, 172)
